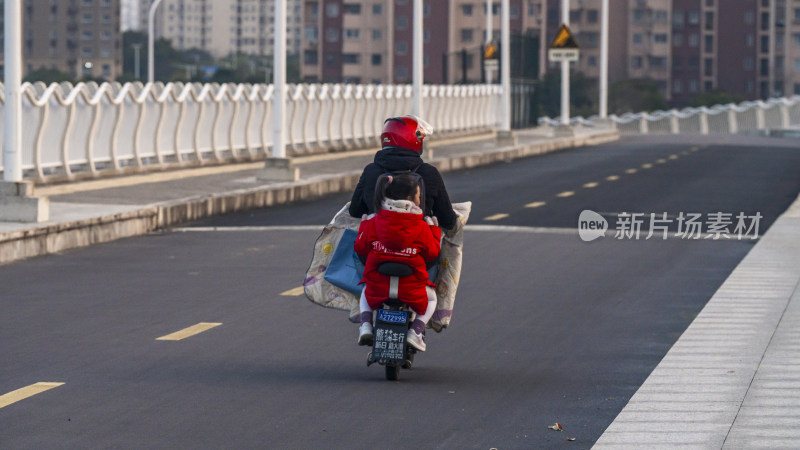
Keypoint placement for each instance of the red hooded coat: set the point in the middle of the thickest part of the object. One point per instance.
(398, 236)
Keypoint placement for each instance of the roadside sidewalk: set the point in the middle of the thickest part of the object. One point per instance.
(732, 380)
(95, 211)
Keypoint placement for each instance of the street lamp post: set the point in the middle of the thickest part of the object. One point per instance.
(151, 20)
(417, 78)
(565, 71)
(604, 61)
(505, 68)
(12, 156)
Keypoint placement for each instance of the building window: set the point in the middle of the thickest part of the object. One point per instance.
(401, 48)
(592, 16)
(797, 89)
(660, 38)
(466, 10)
(677, 86)
(797, 65)
(592, 61)
(709, 86)
(764, 44)
(693, 85)
(351, 58)
(637, 38)
(764, 67)
(694, 62)
(694, 17)
(377, 9)
(709, 43)
(749, 64)
(86, 51)
(659, 62)
(87, 35)
(352, 8)
(750, 40)
(377, 35)
(332, 35)
(636, 62)
(401, 73)
(708, 67)
(694, 40)
(402, 23)
(310, 57)
(466, 35)
(749, 17)
(352, 33)
(332, 10)
(106, 70)
(377, 59)
(709, 20)
(677, 19)
(330, 59)
(677, 40)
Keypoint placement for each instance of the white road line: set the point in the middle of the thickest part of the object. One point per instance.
(505, 228)
(27, 391)
(188, 332)
(591, 185)
(612, 178)
(566, 194)
(250, 228)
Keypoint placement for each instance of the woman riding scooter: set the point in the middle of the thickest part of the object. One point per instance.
(401, 151)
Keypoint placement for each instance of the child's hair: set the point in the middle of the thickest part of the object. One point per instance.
(395, 187)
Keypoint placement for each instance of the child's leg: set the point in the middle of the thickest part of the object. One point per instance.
(421, 321)
(366, 311)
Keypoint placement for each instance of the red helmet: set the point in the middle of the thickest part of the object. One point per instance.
(405, 132)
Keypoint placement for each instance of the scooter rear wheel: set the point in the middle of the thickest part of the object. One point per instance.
(392, 373)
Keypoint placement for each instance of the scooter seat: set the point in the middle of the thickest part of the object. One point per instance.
(395, 269)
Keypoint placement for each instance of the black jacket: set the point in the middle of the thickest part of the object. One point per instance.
(392, 159)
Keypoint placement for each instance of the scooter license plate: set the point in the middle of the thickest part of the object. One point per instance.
(389, 316)
(390, 337)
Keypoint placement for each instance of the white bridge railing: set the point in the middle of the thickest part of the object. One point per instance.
(93, 130)
(747, 117)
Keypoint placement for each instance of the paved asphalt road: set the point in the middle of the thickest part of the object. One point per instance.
(547, 328)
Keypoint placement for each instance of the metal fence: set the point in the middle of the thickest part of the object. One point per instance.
(100, 129)
(746, 117)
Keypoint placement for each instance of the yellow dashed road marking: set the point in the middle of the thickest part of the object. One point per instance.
(661, 161)
(647, 166)
(631, 171)
(535, 204)
(613, 178)
(566, 194)
(187, 332)
(496, 217)
(591, 185)
(294, 292)
(673, 156)
(27, 391)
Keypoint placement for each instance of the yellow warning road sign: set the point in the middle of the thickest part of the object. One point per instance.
(564, 39)
(490, 52)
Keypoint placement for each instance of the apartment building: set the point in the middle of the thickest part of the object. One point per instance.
(78, 37)
(223, 27)
(370, 41)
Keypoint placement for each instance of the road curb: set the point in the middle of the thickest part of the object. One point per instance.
(53, 238)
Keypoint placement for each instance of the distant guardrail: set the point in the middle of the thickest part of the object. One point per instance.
(746, 117)
(92, 130)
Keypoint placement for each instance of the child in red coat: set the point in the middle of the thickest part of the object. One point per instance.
(398, 233)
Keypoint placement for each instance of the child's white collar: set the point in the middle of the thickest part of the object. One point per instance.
(402, 206)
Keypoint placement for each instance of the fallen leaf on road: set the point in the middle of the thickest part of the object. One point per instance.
(556, 426)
